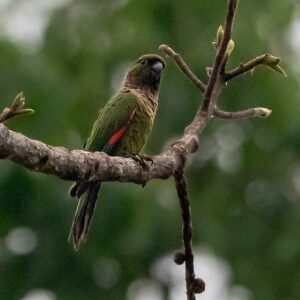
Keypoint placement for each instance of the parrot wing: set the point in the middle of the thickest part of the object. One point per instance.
(112, 123)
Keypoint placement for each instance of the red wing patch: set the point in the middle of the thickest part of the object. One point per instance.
(118, 134)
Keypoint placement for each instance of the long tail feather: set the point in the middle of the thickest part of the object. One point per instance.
(83, 215)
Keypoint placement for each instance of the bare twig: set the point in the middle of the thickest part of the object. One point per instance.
(16, 109)
(244, 67)
(260, 112)
(186, 231)
(183, 67)
(193, 286)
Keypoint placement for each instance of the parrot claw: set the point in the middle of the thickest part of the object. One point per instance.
(142, 160)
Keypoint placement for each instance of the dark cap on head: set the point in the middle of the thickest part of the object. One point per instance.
(145, 72)
(152, 58)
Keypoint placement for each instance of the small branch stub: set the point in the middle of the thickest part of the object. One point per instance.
(179, 257)
(16, 109)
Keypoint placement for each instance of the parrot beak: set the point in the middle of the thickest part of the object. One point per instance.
(157, 67)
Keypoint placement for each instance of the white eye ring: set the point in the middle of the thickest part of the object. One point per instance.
(143, 62)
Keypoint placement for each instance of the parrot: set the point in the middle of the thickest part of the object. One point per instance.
(121, 129)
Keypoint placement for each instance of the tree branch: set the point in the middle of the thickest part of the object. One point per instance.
(193, 285)
(78, 164)
(265, 59)
(219, 60)
(260, 112)
(183, 67)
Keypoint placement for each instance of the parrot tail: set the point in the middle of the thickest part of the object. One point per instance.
(84, 212)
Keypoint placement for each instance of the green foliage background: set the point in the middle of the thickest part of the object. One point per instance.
(244, 181)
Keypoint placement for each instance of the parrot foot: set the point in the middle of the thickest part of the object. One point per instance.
(142, 160)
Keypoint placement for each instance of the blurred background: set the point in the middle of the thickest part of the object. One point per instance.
(68, 57)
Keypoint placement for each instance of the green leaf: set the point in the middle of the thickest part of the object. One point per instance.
(279, 70)
(27, 111)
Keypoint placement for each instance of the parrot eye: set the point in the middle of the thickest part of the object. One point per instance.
(143, 62)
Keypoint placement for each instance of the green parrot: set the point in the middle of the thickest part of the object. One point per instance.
(121, 128)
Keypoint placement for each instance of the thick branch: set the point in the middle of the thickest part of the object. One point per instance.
(78, 164)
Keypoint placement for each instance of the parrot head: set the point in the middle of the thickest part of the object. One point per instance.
(145, 72)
